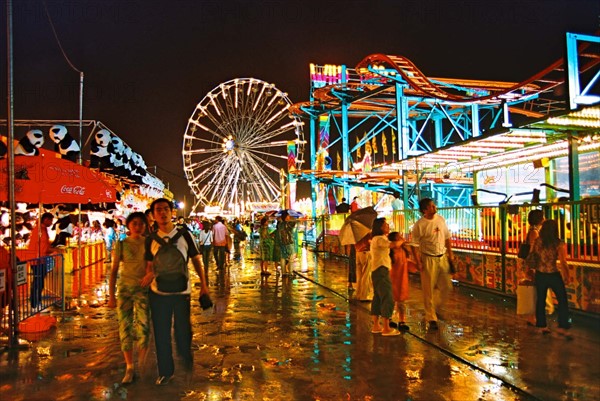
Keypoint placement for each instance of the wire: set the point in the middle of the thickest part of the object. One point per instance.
(177, 175)
(58, 40)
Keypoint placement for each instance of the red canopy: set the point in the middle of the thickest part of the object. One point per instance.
(47, 179)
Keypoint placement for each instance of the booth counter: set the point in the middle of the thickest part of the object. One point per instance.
(80, 272)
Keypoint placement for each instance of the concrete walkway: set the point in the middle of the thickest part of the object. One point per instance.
(303, 338)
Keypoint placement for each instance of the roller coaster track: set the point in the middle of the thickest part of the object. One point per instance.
(535, 97)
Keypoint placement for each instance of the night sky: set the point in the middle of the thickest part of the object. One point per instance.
(148, 63)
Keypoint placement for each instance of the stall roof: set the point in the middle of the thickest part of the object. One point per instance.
(544, 139)
(454, 164)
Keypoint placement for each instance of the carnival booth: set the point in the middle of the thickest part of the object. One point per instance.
(80, 197)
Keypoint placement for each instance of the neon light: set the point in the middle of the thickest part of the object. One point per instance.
(196, 123)
(212, 101)
(259, 97)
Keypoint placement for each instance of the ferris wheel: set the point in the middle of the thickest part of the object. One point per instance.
(238, 140)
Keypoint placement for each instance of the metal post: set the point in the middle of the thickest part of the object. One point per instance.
(12, 319)
(79, 228)
(345, 139)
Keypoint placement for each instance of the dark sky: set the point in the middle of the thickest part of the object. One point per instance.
(148, 63)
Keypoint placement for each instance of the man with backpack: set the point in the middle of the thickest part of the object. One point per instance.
(167, 251)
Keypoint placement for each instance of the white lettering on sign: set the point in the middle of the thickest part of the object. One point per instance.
(65, 172)
(21, 273)
(74, 190)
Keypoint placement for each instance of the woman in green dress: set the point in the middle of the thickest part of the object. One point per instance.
(267, 245)
(131, 300)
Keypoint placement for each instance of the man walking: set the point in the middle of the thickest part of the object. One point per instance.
(220, 234)
(433, 258)
(169, 306)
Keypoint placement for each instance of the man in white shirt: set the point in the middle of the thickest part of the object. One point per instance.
(435, 251)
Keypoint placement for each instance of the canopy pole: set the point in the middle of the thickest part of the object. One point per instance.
(13, 335)
(79, 224)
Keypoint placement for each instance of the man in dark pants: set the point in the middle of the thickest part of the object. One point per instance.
(220, 234)
(171, 309)
(40, 242)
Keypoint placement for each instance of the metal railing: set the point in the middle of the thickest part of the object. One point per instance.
(486, 239)
(40, 285)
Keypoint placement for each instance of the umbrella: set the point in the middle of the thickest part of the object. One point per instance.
(46, 179)
(357, 226)
(278, 213)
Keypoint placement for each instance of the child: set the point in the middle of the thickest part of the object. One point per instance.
(399, 277)
(383, 302)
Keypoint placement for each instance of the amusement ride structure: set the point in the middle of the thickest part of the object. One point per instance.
(393, 129)
(235, 142)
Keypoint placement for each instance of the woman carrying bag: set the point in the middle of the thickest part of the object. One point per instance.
(547, 250)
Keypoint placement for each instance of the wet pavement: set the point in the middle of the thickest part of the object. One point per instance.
(304, 338)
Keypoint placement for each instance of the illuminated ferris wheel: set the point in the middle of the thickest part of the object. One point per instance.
(238, 140)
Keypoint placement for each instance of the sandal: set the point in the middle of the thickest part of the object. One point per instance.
(129, 376)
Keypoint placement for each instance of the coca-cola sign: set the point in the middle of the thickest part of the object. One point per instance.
(72, 189)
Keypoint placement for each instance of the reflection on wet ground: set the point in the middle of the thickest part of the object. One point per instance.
(303, 338)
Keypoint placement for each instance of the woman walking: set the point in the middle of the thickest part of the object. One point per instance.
(550, 249)
(535, 218)
(132, 299)
(267, 245)
(383, 300)
(205, 241)
(284, 240)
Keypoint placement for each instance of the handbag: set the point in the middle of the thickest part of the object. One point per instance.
(524, 249)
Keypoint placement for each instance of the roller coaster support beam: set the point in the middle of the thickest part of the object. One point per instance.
(402, 121)
(577, 96)
(313, 160)
(475, 120)
(345, 139)
(575, 194)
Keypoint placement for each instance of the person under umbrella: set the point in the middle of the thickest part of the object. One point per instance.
(285, 241)
(356, 231)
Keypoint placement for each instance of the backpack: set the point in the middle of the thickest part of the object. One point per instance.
(169, 265)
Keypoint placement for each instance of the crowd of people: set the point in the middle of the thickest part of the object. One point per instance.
(380, 262)
(150, 284)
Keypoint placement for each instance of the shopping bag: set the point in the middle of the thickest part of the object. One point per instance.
(526, 297)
